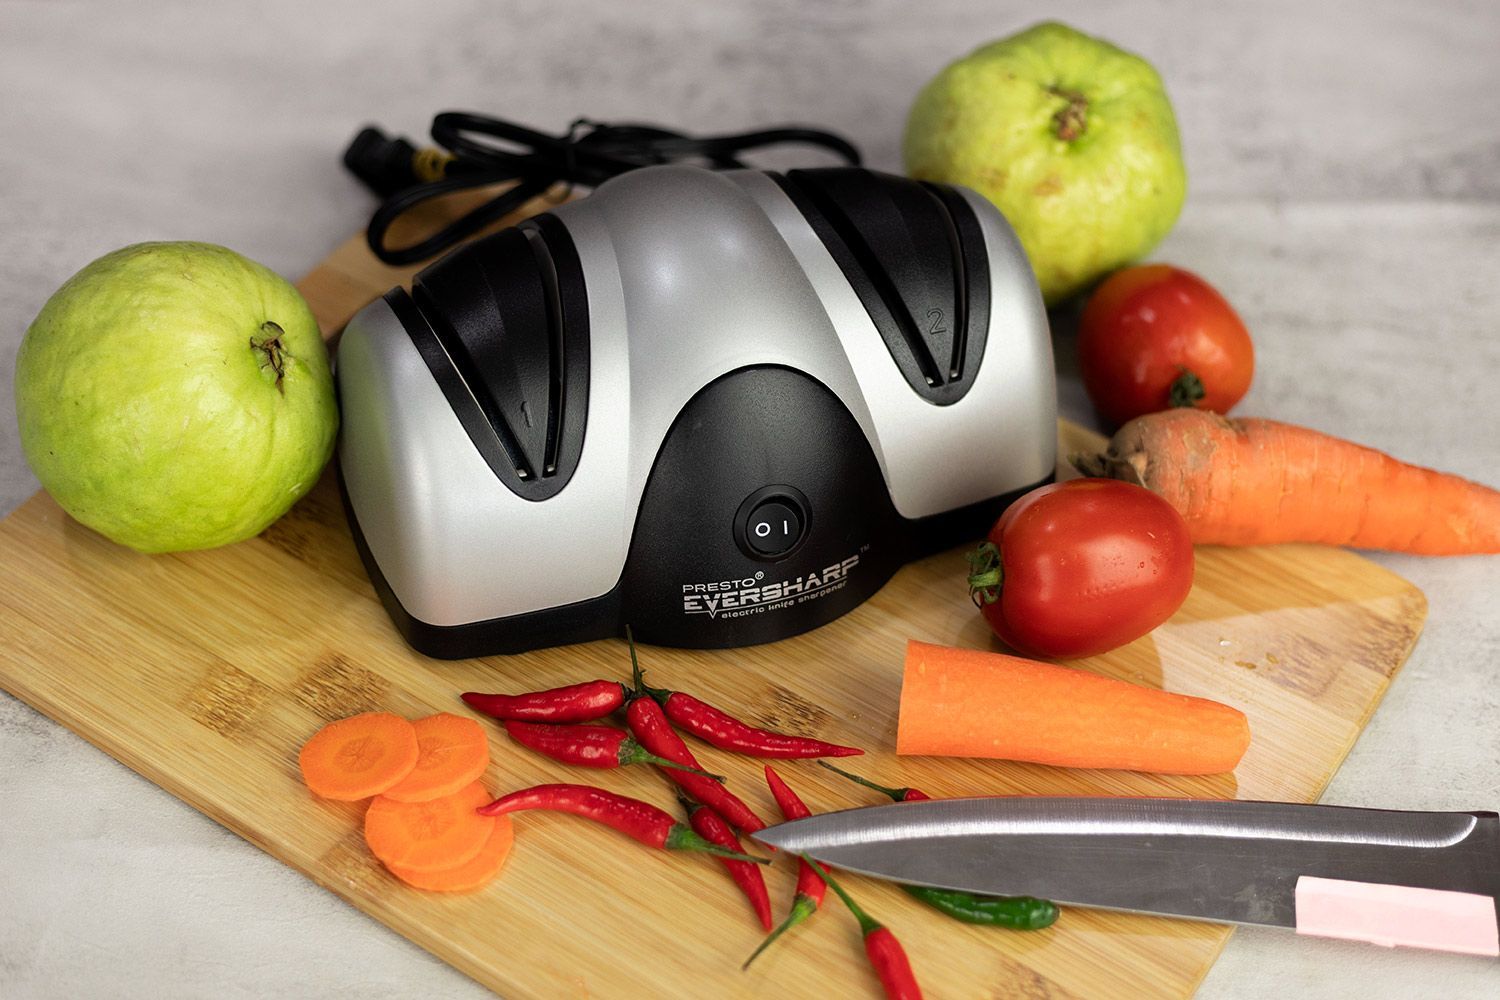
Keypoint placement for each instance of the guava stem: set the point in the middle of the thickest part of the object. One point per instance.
(268, 342)
(1070, 122)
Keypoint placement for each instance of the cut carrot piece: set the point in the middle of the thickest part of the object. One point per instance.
(358, 757)
(429, 836)
(472, 874)
(452, 753)
(967, 703)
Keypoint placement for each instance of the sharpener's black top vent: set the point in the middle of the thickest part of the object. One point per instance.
(915, 254)
(503, 326)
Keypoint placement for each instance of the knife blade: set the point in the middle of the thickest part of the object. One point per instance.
(1427, 879)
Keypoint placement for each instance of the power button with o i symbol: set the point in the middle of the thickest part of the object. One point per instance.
(771, 522)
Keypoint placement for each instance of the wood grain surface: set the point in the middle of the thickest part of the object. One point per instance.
(206, 671)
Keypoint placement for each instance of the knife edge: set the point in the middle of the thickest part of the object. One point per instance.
(1103, 817)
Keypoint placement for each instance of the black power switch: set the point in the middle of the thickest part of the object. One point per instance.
(771, 522)
(774, 527)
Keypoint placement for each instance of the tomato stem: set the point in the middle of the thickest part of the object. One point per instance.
(985, 574)
(1185, 390)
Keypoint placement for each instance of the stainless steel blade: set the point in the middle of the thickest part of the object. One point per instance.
(1215, 860)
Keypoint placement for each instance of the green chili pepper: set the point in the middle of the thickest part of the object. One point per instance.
(1022, 913)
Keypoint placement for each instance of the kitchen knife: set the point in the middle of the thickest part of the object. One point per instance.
(1421, 879)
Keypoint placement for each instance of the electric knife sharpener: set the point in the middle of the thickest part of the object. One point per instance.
(722, 407)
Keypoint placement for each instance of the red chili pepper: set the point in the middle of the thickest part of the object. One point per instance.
(899, 794)
(712, 827)
(653, 731)
(651, 826)
(715, 726)
(718, 728)
(574, 703)
(808, 881)
(810, 885)
(589, 746)
(885, 953)
(891, 964)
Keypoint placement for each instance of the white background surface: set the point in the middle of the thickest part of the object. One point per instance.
(1344, 161)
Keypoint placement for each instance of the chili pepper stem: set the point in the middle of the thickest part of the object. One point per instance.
(638, 677)
(631, 752)
(802, 908)
(896, 794)
(683, 838)
(867, 924)
(636, 674)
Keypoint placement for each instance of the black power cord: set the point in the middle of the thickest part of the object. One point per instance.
(477, 151)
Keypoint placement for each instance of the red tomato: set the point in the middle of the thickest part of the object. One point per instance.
(1145, 328)
(1084, 566)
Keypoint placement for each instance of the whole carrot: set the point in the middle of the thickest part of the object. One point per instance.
(643, 821)
(885, 953)
(654, 732)
(810, 885)
(589, 746)
(711, 827)
(1256, 482)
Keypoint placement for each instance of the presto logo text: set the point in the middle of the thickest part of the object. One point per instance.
(753, 595)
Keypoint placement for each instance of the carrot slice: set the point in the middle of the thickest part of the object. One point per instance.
(452, 753)
(967, 703)
(358, 757)
(429, 836)
(472, 874)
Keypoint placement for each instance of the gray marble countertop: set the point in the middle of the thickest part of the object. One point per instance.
(1345, 194)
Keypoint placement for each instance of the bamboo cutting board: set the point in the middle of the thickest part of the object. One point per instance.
(206, 671)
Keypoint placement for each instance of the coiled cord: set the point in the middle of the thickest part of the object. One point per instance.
(476, 151)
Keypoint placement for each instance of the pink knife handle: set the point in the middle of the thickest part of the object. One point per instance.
(1391, 915)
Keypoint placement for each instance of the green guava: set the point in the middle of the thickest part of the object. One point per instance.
(1073, 140)
(175, 396)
